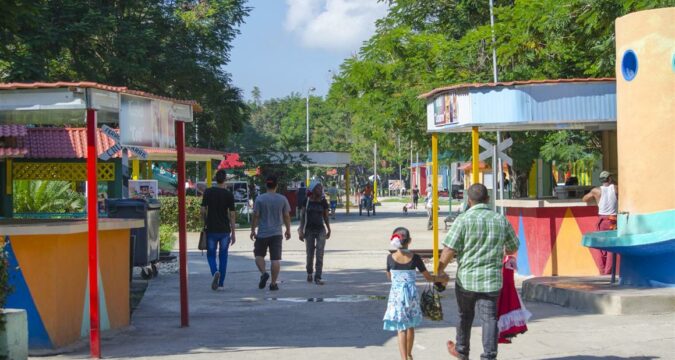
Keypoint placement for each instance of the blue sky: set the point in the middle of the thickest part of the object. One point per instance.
(288, 46)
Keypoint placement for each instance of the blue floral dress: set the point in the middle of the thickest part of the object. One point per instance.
(403, 307)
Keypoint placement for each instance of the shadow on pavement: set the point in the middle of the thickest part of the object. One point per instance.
(586, 357)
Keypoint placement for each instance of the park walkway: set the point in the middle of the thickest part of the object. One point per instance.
(342, 320)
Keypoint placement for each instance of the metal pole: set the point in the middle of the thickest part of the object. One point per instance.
(182, 228)
(307, 138)
(400, 165)
(347, 189)
(375, 174)
(494, 49)
(92, 224)
(494, 178)
(434, 195)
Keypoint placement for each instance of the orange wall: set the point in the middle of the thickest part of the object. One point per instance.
(55, 269)
(646, 116)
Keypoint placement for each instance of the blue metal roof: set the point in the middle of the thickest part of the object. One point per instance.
(543, 105)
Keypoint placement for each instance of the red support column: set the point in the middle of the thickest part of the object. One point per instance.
(182, 228)
(92, 222)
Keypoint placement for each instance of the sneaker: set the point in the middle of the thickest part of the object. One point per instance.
(214, 282)
(309, 278)
(274, 287)
(318, 281)
(263, 280)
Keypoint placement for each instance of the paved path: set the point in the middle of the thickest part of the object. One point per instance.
(305, 321)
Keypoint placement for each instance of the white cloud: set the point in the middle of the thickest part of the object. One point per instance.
(335, 25)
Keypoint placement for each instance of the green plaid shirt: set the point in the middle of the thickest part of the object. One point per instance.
(480, 236)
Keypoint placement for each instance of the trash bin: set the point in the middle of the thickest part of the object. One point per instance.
(145, 240)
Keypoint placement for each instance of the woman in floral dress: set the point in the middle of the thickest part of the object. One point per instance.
(403, 307)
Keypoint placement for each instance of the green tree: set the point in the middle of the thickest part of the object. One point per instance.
(176, 48)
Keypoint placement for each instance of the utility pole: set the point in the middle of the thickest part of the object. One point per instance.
(496, 172)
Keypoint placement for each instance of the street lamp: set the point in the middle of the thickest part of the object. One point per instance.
(307, 139)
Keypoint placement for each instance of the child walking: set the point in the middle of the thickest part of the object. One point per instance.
(403, 307)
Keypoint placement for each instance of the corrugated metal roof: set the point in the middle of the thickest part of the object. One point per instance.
(509, 83)
(533, 105)
(88, 84)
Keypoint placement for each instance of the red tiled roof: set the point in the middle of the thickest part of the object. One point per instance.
(61, 143)
(13, 152)
(88, 84)
(71, 143)
(12, 130)
(510, 83)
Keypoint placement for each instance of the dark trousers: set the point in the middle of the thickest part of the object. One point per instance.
(315, 243)
(487, 311)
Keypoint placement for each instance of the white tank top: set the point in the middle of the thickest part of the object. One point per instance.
(608, 200)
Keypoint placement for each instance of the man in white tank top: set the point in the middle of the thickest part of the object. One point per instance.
(606, 196)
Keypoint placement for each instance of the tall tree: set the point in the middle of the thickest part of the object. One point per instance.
(176, 48)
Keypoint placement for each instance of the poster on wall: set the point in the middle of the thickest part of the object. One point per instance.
(239, 189)
(143, 189)
(147, 123)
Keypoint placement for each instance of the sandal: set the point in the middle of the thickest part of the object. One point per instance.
(452, 349)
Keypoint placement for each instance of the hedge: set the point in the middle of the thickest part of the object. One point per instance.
(169, 213)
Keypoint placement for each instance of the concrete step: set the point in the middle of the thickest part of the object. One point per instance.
(596, 295)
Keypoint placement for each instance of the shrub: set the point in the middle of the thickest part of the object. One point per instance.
(46, 196)
(167, 237)
(169, 212)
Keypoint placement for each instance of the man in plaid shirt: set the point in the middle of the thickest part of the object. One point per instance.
(479, 238)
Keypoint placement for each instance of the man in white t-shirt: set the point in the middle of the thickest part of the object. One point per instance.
(607, 198)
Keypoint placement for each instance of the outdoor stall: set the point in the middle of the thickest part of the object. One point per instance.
(549, 228)
(645, 68)
(53, 259)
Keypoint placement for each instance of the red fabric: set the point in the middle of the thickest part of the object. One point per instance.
(508, 302)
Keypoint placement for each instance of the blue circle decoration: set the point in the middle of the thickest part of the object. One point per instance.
(629, 65)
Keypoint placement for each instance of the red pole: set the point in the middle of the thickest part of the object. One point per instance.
(182, 231)
(92, 222)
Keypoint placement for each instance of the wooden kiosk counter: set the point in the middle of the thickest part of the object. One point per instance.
(48, 268)
(550, 233)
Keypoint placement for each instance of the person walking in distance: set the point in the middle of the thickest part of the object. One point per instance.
(219, 216)
(332, 192)
(270, 212)
(607, 198)
(479, 239)
(313, 232)
(415, 196)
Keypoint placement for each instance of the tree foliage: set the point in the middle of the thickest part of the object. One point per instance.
(421, 45)
(46, 197)
(176, 48)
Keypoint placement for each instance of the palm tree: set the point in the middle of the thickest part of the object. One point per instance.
(46, 196)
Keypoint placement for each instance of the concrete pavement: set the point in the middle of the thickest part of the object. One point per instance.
(343, 318)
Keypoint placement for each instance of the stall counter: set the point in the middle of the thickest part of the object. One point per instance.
(550, 233)
(48, 271)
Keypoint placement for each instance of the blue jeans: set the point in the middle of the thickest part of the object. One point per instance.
(214, 240)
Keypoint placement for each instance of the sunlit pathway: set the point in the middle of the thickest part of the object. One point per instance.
(343, 318)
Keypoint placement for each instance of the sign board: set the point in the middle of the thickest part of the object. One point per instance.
(239, 189)
(148, 123)
(489, 150)
(251, 172)
(111, 133)
(395, 185)
(143, 189)
(448, 110)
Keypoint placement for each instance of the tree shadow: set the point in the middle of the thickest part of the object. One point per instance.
(610, 357)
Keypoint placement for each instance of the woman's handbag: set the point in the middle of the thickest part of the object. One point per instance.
(202, 240)
(431, 304)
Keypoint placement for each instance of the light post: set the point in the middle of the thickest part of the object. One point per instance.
(307, 138)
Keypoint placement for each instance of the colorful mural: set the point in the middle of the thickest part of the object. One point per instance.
(50, 280)
(550, 240)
